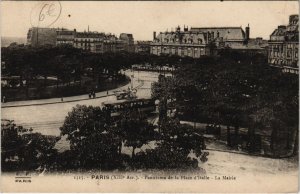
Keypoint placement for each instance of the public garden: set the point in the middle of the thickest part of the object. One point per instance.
(243, 104)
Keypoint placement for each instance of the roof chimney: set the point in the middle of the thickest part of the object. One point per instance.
(154, 35)
(248, 32)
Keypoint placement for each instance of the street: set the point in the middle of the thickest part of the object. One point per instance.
(47, 119)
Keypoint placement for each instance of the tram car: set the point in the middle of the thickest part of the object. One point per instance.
(125, 94)
(142, 105)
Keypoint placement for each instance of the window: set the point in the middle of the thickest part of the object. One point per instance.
(289, 53)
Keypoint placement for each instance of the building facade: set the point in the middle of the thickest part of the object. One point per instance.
(64, 36)
(127, 41)
(90, 41)
(181, 43)
(41, 36)
(197, 42)
(142, 46)
(284, 45)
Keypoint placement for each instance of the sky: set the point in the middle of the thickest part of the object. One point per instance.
(142, 18)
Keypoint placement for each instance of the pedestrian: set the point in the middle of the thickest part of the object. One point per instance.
(94, 94)
(90, 95)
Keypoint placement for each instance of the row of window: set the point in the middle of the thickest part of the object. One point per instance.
(281, 53)
(190, 41)
(179, 52)
(291, 63)
(190, 54)
(282, 46)
(177, 48)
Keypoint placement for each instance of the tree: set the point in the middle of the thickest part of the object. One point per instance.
(91, 138)
(182, 136)
(135, 130)
(21, 149)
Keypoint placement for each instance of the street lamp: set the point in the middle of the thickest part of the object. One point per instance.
(131, 80)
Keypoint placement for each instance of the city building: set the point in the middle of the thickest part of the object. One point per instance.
(225, 36)
(252, 47)
(284, 45)
(197, 42)
(127, 41)
(41, 36)
(142, 46)
(181, 43)
(64, 36)
(90, 41)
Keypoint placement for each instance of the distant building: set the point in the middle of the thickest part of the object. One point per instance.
(284, 45)
(181, 43)
(142, 46)
(252, 47)
(90, 41)
(100, 43)
(198, 42)
(127, 41)
(41, 36)
(64, 36)
(225, 36)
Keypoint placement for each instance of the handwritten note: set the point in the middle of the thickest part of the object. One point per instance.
(45, 14)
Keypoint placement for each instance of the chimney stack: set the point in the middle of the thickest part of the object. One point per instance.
(247, 32)
(185, 28)
(154, 35)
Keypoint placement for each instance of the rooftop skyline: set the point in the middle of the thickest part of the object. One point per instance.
(142, 18)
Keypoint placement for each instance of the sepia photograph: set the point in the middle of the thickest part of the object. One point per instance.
(150, 96)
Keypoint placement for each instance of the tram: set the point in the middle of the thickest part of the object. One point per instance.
(125, 94)
(142, 105)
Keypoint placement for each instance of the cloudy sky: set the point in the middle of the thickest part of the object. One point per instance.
(142, 18)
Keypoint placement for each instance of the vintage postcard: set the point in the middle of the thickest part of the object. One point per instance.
(149, 96)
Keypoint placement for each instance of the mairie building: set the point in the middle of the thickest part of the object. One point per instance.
(284, 46)
(198, 42)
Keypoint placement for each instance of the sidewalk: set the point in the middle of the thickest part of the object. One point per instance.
(59, 100)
